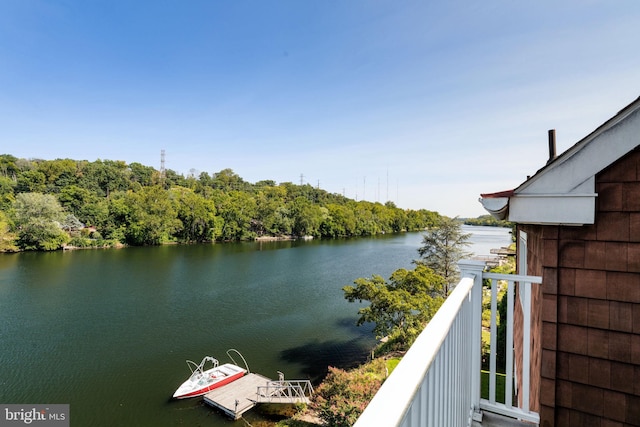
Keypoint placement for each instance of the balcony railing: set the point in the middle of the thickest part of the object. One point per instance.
(437, 383)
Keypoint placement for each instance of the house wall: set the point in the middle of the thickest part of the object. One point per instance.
(535, 266)
(589, 333)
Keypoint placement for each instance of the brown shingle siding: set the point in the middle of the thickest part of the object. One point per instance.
(620, 346)
(636, 318)
(616, 256)
(609, 196)
(549, 336)
(563, 417)
(566, 281)
(599, 373)
(549, 308)
(621, 377)
(595, 255)
(624, 287)
(550, 282)
(548, 365)
(621, 316)
(631, 197)
(571, 254)
(562, 309)
(591, 284)
(550, 248)
(549, 232)
(635, 349)
(577, 311)
(548, 392)
(598, 313)
(586, 232)
(633, 410)
(579, 369)
(634, 227)
(573, 339)
(583, 419)
(547, 417)
(562, 365)
(624, 170)
(598, 343)
(563, 393)
(615, 405)
(633, 257)
(587, 399)
(617, 226)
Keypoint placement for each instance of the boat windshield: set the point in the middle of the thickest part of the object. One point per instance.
(197, 370)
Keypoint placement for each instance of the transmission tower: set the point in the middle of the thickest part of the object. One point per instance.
(162, 170)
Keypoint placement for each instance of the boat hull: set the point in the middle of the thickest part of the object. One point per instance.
(209, 380)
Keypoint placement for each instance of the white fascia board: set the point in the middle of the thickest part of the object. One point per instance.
(553, 209)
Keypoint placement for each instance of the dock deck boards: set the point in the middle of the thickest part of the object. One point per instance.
(242, 390)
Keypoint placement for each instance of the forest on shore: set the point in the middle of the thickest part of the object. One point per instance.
(52, 204)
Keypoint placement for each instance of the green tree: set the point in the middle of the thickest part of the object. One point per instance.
(104, 177)
(238, 210)
(272, 216)
(307, 217)
(401, 308)
(7, 186)
(88, 207)
(8, 166)
(228, 180)
(443, 245)
(38, 219)
(31, 181)
(7, 237)
(339, 222)
(197, 216)
(152, 218)
(114, 224)
(144, 175)
(58, 173)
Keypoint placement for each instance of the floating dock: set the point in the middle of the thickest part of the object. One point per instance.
(236, 398)
(239, 396)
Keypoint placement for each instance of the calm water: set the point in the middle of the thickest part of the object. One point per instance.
(108, 331)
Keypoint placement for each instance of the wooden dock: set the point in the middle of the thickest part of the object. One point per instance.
(236, 398)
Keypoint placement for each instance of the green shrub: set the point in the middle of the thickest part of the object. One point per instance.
(342, 396)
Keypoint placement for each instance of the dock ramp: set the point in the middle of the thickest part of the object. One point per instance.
(285, 391)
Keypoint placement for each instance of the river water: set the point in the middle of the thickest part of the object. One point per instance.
(108, 331)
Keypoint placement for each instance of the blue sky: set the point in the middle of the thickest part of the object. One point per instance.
(424, 103)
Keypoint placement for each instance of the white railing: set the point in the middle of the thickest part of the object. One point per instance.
(437, 383)
(285, 391)
(508, 407)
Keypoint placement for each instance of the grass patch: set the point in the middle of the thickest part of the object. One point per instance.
(500, 386)
(392, 363)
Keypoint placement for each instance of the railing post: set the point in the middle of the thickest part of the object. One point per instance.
(474, 269)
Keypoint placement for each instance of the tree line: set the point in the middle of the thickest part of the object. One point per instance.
(48, 204)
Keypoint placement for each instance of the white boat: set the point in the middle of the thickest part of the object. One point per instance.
(203, 381)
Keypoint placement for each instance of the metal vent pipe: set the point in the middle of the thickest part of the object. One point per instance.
(552, 145)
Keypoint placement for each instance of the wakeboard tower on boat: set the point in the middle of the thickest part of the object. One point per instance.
(202, 381)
